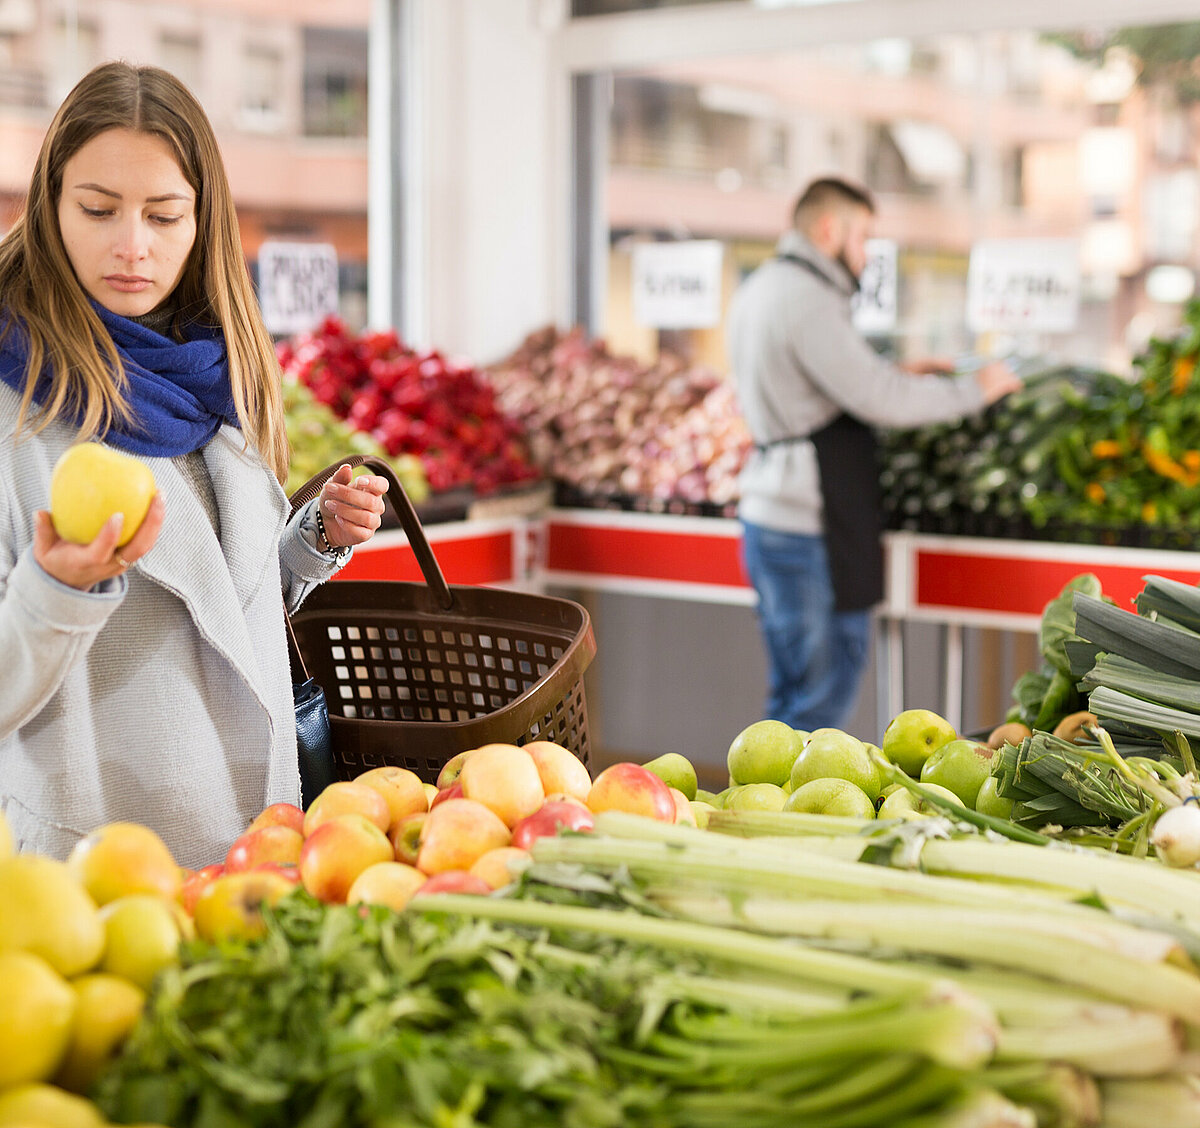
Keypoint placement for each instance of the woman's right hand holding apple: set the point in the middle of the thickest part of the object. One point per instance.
(83, 566)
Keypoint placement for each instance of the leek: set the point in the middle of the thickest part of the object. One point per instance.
(1156, 1102)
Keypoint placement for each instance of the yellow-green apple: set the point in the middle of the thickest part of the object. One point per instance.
(757, 797)
(141, 937)
(454, 791)
(451, 769)
(267, 844)
(347, 797)
(406, 837)
(338, 851)
(626, 786)
(91, 483)
(830, 753)
(107, 1009)
(705, 796)
(386, 883)
(194, 885)
(701, 812)
(960, 766)
(401, 789)
(279, 814)
(561, 771)
(764, 752)
(721, 799)
(121, 858)
(900, 803)
(831, 796)
(989, 801)
(549, 818)
(38, 1006)
(457, 833)
(684, 815)
(44, 910)
(912, 736)
(504, 778)
(501, 866)
(41, 1105)
(453, 881)
(231, 906)
(675, 771)
(430, 794)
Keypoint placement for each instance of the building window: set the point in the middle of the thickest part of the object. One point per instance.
(262, 89)
(335, 82)
(179, 53)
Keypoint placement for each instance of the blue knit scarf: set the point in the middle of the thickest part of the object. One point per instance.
(179, 393)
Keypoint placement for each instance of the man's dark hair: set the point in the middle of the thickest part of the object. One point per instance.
(826, 193)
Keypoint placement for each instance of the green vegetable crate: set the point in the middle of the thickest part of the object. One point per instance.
(415, 673)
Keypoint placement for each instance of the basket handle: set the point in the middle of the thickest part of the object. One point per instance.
(402, 506)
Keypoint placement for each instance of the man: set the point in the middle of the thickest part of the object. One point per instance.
(812, 390)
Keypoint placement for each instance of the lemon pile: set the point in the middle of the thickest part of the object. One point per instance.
(80, 943)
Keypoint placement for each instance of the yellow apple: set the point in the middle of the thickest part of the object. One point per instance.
(504, 778)
(347, 798)
(44, 910)
(121, 858)
(90, 483)
(230, 907)
(339, 850)
(47, 1106)
(401, 789)
(683, 807)
(38, 1007)
(141, 937)
(561, 771)
(630, 787)
(279, 814)
(267, 844)
(107, 1009)
(501, 866)
(431, 793)
(386, 883)
(457, 833)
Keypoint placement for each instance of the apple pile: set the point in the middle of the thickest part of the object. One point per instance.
(81, 941)
(774, 767)
(417, 403)
(613, 426)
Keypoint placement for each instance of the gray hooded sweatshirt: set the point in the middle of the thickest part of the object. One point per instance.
(798, 362)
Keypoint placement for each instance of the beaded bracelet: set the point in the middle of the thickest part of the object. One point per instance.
(329, 549)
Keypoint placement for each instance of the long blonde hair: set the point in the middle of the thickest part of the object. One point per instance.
(42, 296)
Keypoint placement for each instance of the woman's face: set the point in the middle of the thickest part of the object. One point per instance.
(128, 220)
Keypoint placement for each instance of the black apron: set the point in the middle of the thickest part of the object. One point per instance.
(848, 471)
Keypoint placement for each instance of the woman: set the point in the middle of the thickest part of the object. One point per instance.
(150, 682)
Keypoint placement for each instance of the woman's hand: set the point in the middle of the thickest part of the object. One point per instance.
(83, 566)
(352, 511)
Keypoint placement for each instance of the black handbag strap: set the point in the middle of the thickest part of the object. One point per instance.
(401, 505)
(294, 656)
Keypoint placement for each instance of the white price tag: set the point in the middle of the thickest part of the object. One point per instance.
(678, 285)
(297, 285)
(875, 305)
(1023, 285)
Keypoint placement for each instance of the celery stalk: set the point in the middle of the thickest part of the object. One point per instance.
(1172, 1101)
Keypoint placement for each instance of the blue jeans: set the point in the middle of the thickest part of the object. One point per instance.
(815, 654)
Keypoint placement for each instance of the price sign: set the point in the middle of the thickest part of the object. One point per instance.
(297, 285)
(874, 306)
(1023, 285)
(677, 285)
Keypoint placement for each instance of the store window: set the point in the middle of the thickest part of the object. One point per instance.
(1091, 138)
(335, 82)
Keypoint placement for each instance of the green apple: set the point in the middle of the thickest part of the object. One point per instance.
(830, 753)
(703, 796)
(913, 736)
(757, 797)
(831, 797)
(702, 812)
(764, 752)
(721, 800)
(900, 803)
(960, 766)
(675, 771)
(989, 801)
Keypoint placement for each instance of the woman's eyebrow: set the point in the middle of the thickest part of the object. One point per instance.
(117, 195)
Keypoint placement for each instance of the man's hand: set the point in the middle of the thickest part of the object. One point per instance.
(929, 366)
(997, 380)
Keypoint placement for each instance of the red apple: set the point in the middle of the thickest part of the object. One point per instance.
(267, 844)
(338, 851)
(231, 906)
(630, 787)
(406, 837)
(547, 820)
(347, 798)
(504, 778)
(561, 771)
(196, 883)
(401, 789)
(456, 833)
(501, 866)
(453, 881)
(454, 791)
(279, 814)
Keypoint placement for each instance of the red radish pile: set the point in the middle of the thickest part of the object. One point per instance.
(419, 403)
(613, 426)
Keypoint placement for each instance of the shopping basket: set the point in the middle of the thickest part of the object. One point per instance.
(415, 673)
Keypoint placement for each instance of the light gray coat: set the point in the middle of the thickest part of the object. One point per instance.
(797, 363)
(163, 697)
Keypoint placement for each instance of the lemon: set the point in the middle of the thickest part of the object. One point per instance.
(107, 1009)
(141, 937)
(120, 858)
(90, 483)
(46, 1107)
(44, 910)
(36, 1010)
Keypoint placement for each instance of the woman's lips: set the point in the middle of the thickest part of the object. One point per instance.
(127, 284)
